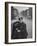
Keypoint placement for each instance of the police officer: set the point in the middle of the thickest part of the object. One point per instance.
(19, 30)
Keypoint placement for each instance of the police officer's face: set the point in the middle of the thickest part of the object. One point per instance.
(21, 20)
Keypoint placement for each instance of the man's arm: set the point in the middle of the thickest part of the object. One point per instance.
(25, 31)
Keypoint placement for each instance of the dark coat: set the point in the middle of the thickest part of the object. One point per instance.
(19, 35)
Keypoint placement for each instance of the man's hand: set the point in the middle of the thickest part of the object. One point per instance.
(18, 30)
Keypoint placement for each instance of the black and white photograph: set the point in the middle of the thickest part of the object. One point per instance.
(20, 22)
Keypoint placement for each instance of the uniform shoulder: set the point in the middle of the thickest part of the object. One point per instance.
(16, 22)
(23, 23)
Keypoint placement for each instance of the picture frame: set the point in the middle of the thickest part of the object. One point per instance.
(31, 20)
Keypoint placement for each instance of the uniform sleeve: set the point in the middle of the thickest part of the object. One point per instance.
(25, 31)
(13, 31)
